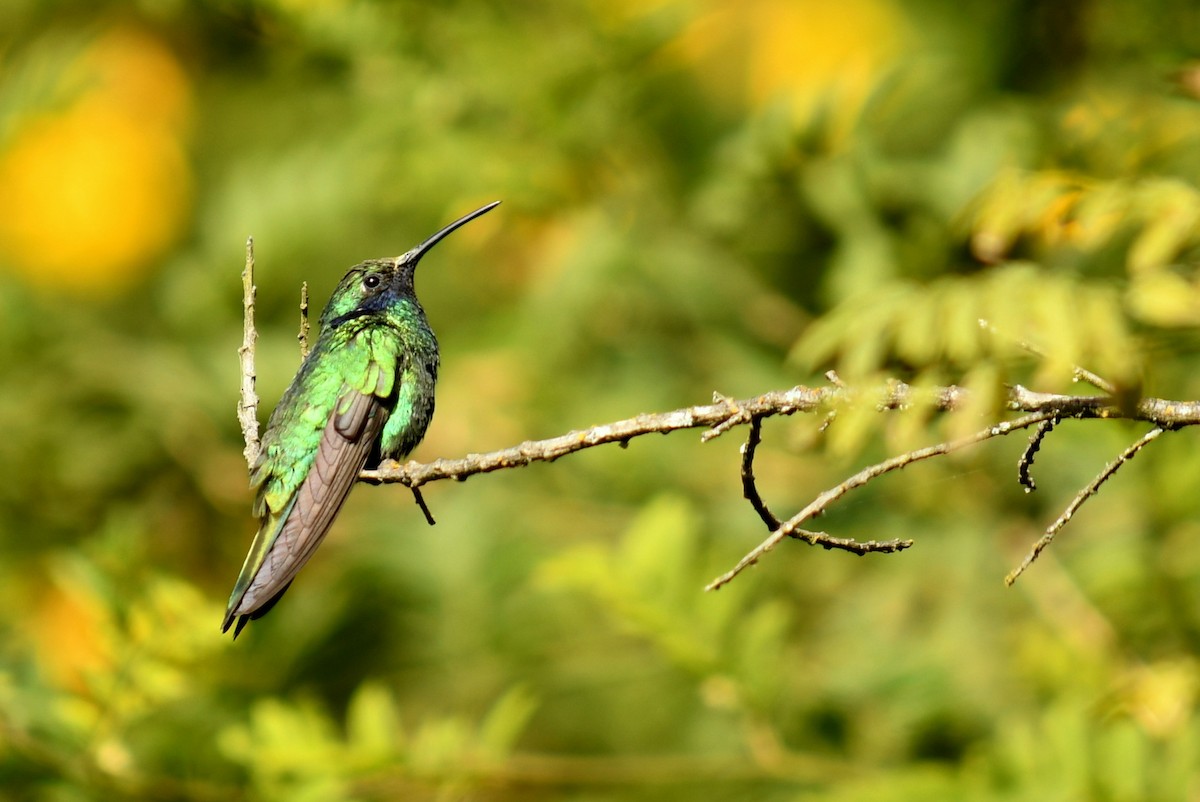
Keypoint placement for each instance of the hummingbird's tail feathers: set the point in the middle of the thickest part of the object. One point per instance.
(287, 540)
(242, 620)
(263, 539)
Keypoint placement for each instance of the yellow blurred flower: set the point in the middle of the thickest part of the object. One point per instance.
(68, 632)
(818, 57)
(92, 190)
(1161, 696)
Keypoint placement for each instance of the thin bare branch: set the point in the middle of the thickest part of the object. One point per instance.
(247, 409)
(1161, 412)
(824, 500)
(303, 335)
(1080, 497)
(859, 547)
(726, 413)
(780, 402)
(1084, 375)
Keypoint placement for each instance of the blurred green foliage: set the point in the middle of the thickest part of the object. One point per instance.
(698, 196)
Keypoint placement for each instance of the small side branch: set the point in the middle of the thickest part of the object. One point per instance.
(247, 409)
(1025, 464)
(419, 498)
(1078, 373)
(1080, 497)
(749, 484)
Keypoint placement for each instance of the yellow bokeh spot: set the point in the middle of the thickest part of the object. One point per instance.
(67, 630)
(818, 57)
(140, 76)
(93, 190)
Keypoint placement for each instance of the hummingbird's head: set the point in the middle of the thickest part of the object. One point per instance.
(377, 284)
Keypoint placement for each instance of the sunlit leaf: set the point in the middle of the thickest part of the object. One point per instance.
(373, 723)
(505, 722)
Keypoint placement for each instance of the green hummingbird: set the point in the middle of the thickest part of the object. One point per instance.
(363, 394)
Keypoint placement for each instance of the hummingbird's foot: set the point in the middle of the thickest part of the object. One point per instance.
(371, 476)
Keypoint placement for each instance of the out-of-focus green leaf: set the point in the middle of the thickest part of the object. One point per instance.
(1163, 298)
(373, 723)
(504, 723)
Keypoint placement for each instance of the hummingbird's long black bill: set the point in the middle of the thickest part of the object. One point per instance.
(416, 253)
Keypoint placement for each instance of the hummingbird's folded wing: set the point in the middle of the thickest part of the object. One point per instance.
(288, 537)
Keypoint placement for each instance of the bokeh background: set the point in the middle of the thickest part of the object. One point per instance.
(720, 195)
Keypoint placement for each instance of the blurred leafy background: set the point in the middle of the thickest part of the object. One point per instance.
(728, 195)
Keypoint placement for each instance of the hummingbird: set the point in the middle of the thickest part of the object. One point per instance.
(362, 395)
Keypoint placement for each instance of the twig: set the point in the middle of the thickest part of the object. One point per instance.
(823, 501)
(1025, 463)
(737, 415)
(1080, 497)
(749, 486)
(420, 499)
(859, 547)
(303, 335)
(1085, 375)
(1077, 373)
(247, 409)
(824, 539)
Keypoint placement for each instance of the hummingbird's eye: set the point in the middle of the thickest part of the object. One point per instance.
(372, 281)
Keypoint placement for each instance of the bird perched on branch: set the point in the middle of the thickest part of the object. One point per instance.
(363, 394)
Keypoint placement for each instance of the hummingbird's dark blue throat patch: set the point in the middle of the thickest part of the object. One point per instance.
(377, 304)
(351, 315)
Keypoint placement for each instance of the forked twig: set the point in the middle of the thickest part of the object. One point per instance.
(823, 539)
